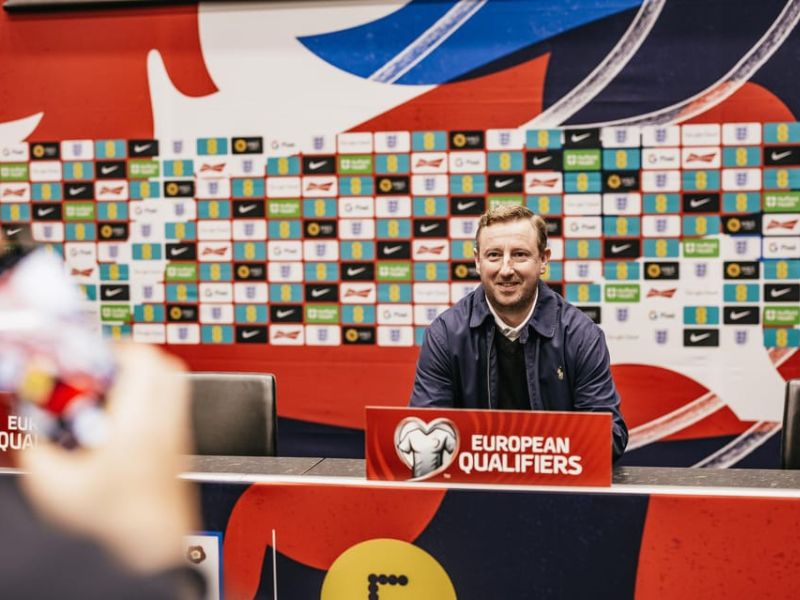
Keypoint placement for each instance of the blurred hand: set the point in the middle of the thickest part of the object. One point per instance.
(125, 494)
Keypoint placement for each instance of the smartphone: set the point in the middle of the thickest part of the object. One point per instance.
(53, 359)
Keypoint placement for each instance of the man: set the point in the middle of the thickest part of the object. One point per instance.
(513, 343)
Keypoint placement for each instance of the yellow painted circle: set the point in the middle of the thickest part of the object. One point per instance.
(351, 335)
(734, 270)
(459, 140)
(654, 270)
(392, 569)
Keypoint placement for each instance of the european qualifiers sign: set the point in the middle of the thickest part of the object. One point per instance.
(485, 446)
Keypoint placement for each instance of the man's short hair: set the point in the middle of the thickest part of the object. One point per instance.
(514, 212)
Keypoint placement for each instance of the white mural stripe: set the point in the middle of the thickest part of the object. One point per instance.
(778, 356)
(741, 446)
(14, 132)
(426, 43)
(681, 418)
(603, 73)
(725, 87)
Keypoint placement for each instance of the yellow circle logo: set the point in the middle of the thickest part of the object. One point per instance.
(614, 181)
(175, 312)
(461, 271)
(38, 151)
(351, 335)
(385, 185)
(172, 189)
(387, 569)
(734, 225)
(733, 270)
(459, 140)
(654, 270)
(243, 271)
(240, 145)
(313, 229)
(106, 231)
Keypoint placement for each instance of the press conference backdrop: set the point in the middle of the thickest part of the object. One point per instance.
(294, 188)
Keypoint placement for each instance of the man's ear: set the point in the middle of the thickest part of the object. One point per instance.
(545, 260)
(476, 256)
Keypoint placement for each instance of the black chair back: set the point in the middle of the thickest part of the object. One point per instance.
(790, 437)
(233, 414)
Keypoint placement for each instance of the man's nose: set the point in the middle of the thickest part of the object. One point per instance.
(506, 268)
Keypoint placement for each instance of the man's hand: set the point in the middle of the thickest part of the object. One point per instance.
(125, 494)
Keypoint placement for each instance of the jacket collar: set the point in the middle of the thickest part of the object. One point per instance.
(544, 316)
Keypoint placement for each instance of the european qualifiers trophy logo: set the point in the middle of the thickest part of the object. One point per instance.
(427, 449)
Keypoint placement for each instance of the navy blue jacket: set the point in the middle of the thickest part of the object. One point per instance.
(566, 359)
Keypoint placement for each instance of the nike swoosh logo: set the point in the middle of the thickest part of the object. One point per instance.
(141, 147)
(465, 205)
(780, 155)
(540, 160)
(579, 137)
(43, 212)
(13, 232)
(76, 191)
(107, 170)
(179, 251)
(246, 209)
(699, 202)
(735, 316)
(694, 337)
(427, 228)
(318, 293)
(283, 313)
(392, 249)
(316, 164)
(112, 293)
(354, 272)
(503, 183)
(248, 334)
(617, 248)
(779, 293)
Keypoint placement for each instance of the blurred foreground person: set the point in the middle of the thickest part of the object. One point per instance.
(107, 522)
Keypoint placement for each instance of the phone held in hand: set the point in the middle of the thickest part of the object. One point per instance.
(53, 358)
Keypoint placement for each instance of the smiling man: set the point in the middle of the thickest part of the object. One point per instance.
(513, 343)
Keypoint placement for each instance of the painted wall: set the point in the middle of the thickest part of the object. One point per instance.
(247, 100)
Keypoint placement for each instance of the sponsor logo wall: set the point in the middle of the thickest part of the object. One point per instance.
(681, 242)
(666, 236)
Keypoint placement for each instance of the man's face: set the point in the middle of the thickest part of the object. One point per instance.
(509, 264)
